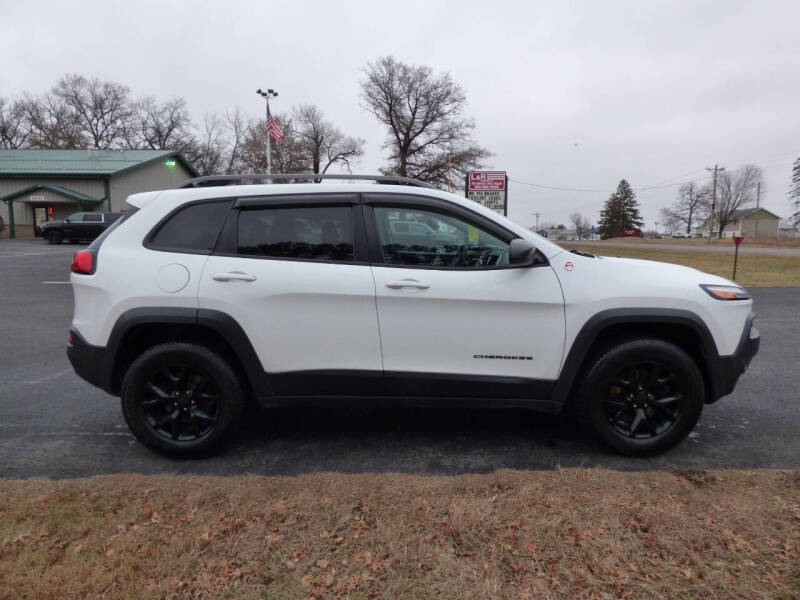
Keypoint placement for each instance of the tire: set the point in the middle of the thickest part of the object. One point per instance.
(182, 399)
(642, 397)
(74, 241)
(54, 237)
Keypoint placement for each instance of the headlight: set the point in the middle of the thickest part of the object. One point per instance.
(725, 292)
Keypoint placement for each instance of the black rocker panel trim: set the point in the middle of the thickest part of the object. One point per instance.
(332, 382)
(446, 385)
(719, 375)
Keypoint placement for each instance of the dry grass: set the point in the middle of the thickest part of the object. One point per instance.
(782, 242)
(567, 534)
(753, 269)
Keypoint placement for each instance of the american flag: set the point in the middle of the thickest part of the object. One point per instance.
(273, 128)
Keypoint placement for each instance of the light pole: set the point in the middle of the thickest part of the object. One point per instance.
(267, 95)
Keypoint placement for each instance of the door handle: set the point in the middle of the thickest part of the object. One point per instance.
(233, 276)
(407, 283)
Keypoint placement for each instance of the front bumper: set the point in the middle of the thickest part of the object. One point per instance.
(726, 370)
(87, 360)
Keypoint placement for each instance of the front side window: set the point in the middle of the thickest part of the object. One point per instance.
(413, 237)
(92, 217)
(75, 218)
(309, 233)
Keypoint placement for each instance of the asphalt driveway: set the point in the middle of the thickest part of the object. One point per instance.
(53, 424)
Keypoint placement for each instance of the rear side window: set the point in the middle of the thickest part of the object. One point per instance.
(193, 228)
(308, 233)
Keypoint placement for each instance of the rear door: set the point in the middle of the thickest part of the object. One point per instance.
(456, 320)
(92, 225)
(294, 273)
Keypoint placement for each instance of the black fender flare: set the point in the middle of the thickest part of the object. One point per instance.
(591, 330)
(219, 322)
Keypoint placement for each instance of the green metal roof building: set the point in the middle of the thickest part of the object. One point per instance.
(46, 185)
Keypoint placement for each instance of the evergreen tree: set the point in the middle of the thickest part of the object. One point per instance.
(620, 212)
(794, 191)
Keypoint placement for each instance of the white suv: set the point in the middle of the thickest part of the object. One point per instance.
(203, 299)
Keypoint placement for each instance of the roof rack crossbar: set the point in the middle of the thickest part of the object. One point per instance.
(217, 180)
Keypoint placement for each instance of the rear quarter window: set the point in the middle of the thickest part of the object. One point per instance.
(192, 228)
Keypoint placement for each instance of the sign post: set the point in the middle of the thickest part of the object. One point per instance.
(489, 188)
(737, 239)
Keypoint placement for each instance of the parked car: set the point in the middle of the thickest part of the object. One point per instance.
(202, 300)
(80, 226)
(680, 234)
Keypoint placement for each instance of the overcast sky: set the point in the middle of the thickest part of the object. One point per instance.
(566, 94)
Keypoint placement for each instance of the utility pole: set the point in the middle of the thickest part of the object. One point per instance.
(537, 220)
(267, 95)
(716, 169)
(758, 205)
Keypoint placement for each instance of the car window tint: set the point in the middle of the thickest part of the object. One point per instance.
(194, 227)
(424, 238)
(311, 233)
(76, 218)
(92, 217)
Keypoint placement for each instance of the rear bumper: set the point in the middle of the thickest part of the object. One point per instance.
(728, 369)
(88, 361)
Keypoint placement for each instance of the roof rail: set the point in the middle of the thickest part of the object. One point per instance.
(216, 180)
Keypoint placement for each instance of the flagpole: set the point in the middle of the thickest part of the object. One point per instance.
(269, 150)
(270, 93)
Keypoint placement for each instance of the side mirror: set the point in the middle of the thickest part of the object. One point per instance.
(66, 220)
(522, 252)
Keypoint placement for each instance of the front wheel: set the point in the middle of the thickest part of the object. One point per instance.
(181, 399)
(643, 396)
(53, 237)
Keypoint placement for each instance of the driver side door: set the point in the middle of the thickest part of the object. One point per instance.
(455, 318)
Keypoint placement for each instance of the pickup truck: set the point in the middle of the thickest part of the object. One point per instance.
(78, 227)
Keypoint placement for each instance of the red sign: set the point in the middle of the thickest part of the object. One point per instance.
(487, 181)
(737, 239)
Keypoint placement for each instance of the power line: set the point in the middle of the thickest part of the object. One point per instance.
(601, 190)
(659, 186)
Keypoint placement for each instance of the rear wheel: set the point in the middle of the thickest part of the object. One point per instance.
(181, 399)
(643, 396)
(53, 237)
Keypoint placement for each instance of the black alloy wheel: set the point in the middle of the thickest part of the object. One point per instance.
(181, 403)
(642, 397)
(644, 400)
(182, 399)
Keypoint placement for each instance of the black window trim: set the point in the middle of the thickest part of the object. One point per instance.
(437, 205)
(148, 239)
(227, 241)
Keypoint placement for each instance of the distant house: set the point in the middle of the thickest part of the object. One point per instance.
(743, 222)
(788, 228)
(46, 185)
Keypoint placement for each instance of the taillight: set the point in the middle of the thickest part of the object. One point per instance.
(83, 262)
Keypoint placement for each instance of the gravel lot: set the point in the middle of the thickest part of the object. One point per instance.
(53, 424)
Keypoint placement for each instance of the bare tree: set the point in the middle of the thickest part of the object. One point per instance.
(52, 123)
(736, 190)
(688, 209)
(14, 126)
(165, 126)
(580, 222)
(325, 144)
(101, 109)
(428, 136)
(235, 133)
(207, 150)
